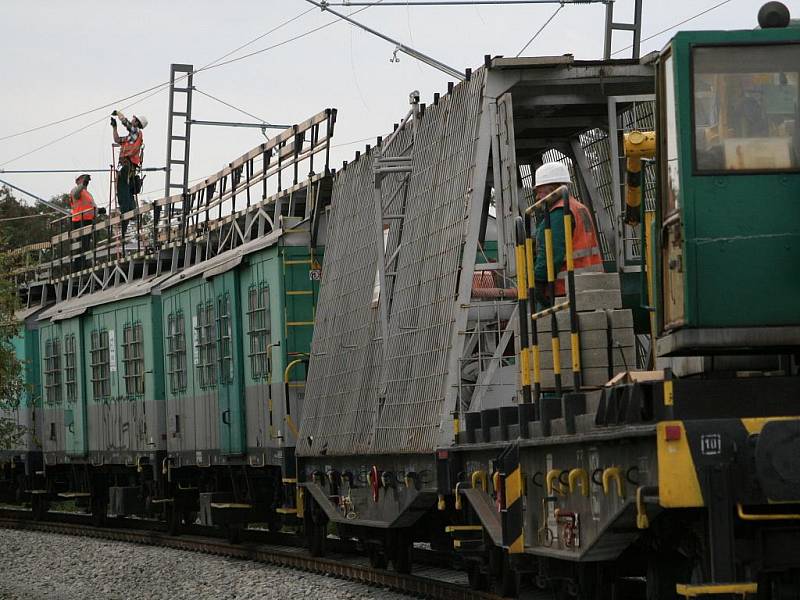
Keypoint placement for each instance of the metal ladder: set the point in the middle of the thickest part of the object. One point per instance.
(635, 27)
(180, 113)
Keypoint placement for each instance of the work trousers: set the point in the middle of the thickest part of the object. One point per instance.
(125, 192)
(86, 244)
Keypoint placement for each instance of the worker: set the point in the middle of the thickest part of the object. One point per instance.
(130, 161)
(83, 209)
(585, 249)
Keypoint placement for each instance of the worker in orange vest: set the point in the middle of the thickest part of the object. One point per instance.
(585, 248)
(130, 161)
(83, 209)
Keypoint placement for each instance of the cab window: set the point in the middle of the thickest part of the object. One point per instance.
(746, 108)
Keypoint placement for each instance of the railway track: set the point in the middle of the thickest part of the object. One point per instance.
(429, 580)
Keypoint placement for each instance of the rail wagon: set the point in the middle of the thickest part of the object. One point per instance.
(23, 459)
(456, 423)
(237, 331)
(176, 356)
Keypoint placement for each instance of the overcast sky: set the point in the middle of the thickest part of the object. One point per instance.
(62, 58)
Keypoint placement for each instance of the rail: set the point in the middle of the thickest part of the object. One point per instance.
(340, 566)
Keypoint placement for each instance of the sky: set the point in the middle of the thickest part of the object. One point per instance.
(64, 58)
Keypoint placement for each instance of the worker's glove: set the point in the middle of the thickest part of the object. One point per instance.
(101, 211)
(113, 122)
(114, 113)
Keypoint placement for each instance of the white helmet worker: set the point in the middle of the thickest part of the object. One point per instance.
(142, 120)
(552, 172)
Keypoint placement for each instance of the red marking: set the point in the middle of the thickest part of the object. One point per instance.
(442, 454)
(672, 433)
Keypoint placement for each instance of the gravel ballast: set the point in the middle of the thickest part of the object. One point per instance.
(46, 566)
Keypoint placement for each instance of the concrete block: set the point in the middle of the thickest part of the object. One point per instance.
(584, 423)
(592, 377)
(598, 300)
(592, 339)
(558, 427)
(596, 357)
(589, 321)
(597, 281)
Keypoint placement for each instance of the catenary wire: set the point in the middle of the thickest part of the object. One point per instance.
(142, 92)
(541, 29)
(671, 27)
(229, 105)
(166, 85)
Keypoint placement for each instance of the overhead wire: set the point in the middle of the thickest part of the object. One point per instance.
(152, 88)
(541, 29)
(229, 105)
(164, 86)
(671, 27)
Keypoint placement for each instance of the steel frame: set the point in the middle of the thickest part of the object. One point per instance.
(243, 201)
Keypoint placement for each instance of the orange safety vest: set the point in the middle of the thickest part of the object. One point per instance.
(82, 208)
(132, 150)
(586, 257)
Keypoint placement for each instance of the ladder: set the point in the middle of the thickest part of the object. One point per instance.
(635, 27)
(180, 113)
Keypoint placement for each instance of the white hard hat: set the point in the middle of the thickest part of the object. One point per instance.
(142, 120)
(552, 172)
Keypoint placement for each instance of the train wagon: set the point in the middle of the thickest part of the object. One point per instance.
(237, 331)
(20, 462)
(525, 438)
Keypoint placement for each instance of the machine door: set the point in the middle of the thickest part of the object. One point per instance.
(230, 388)
(672, 267)
(75, 391)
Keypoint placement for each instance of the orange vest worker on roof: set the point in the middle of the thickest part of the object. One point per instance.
(586, 251)
(130, 160)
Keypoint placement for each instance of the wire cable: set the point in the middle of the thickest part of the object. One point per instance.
(166, 85)
(671, 27)
(541, 29)
(229, 105)
(152, 88)
(6, 219)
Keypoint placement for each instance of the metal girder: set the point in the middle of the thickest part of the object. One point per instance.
(474, 210)
(603, 221)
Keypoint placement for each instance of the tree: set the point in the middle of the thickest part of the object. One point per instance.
(21, 224)
(11, 383)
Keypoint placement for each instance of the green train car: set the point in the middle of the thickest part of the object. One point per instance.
(20, 462)
(176, 393)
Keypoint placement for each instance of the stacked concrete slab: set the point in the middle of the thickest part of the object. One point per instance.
(607, 340)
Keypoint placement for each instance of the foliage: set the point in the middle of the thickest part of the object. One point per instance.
(11, 384)
(21, 224)
(13, 234)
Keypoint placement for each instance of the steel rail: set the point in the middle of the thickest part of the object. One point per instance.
(293, 558)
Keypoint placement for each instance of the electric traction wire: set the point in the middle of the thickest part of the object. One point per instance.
(229, 105)
(671, 27)
(210, 65)
(541, 29)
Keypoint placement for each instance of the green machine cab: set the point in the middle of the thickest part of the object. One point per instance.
(727, 244)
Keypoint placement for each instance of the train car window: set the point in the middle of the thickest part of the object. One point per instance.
(746, 108)
(225, 340)
(206, 336)
(52, 371)
(133, 359)
(670, 172)
(100, 363)
(259, 331)
(176, 352)
(70, 372)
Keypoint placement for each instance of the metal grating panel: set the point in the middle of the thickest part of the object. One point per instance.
(345, 409)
